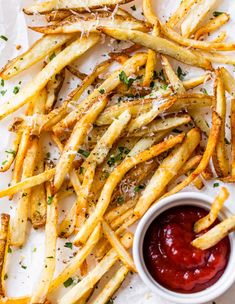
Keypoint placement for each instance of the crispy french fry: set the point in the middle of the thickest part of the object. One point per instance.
(204, 45)
(149, 13)
(70, 53)
(174, 80)
(93, 276)
(221, 37)
(118, 247)
(232, 119)
(210, 147)
(57, 15)
(199, 121)
(114, 179)
(135, 107)
(190, 164)
(228, 81)
(90, 23)
(212, 25)
(78, 5)
(219, 58)
(4, 242)
(150, 67)
(167, 170)
(111, 286)
(42, 47)
(216, 206)
(194, 82)
(195, 16)
(11, 154)
(19, 225)
(20, 300)
(220, 157)
(180, 13)
(107, 86)
(42, 288)
(29, 183)
(214, 235)
(76, 139)
(119, 210)
(160, 45)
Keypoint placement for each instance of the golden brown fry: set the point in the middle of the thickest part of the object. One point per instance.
(11, 153)
(194, 82)
(195, 16)
(69, 54)
(42, 288)
(220, 157)
(150, 68)
(210, 147)
(40, 49)
(180, 13)
(216, 206)
(75, 141)
(20, 300)
(4, 242)
(149, 13)
(228, 81)
(216, 234)
(166, 171)
(212, 25)
(114, 178)
(77, 261)
(219, 58)
(90, 23)
(78, 5)
(160, 45)
(221, 37)
(111, 286)
(57, 15)
(95, 274)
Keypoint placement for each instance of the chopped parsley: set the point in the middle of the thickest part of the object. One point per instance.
(49, 200)
(120, 200)
(68, 245)
(50, 257)
(3, 37)
(2, 82)
(110, 301)
(4, 162)
(123, 78)
(52, 56)
(68, 282)
(84, 153)
(81, 170)
(204, 91)
(138, 188)
(102, 91)
(180, 73)
(215, 185)
(3, 92)
(5, 276)
(164, 86)
(13, 152)
(9, 250)
(23, 266)
(133, 8)
(216, 14)
(120, 156)
(16, 90)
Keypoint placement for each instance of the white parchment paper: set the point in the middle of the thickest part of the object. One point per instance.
(13, 25)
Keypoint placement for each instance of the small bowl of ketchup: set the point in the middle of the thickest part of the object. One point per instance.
(167, 262)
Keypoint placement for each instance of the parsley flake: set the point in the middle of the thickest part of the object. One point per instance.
(68, 245)
(49, 200)
(68, 282)
(3, 37)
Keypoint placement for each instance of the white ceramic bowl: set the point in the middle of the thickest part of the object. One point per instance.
(209, 294)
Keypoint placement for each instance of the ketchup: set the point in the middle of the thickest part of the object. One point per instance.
(171, 259)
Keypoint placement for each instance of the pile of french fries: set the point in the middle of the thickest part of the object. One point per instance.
(135, 138)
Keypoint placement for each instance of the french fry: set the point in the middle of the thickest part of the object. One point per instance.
(119, 210)
(20, 300)
(216, 206)
(174, 80)
(219, 58)
(41, 290)
(28, 183)
(40, 49)
(150, 67)
(214, 235)
(111, 286)
(53, 88)
(200, 121)
(188, 101)
(76, 72)
(93, 276)
(6, 164)
(228, 81)
(79, 5)
(159, 125)
(180, 13)
(220, 157)
(107, 86)
(118, 247)
(160, 45)
(210, 147)
(203, 45)
(212, 25)
(194, 82)
(166, 171)
(77, 261)
(76, 139)
(195, 16)
(88, 24)
(19, 225)
(70, 53)
(114, 179)
(57, 15)
(4, 242)
(190, 164)
(221, 37)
